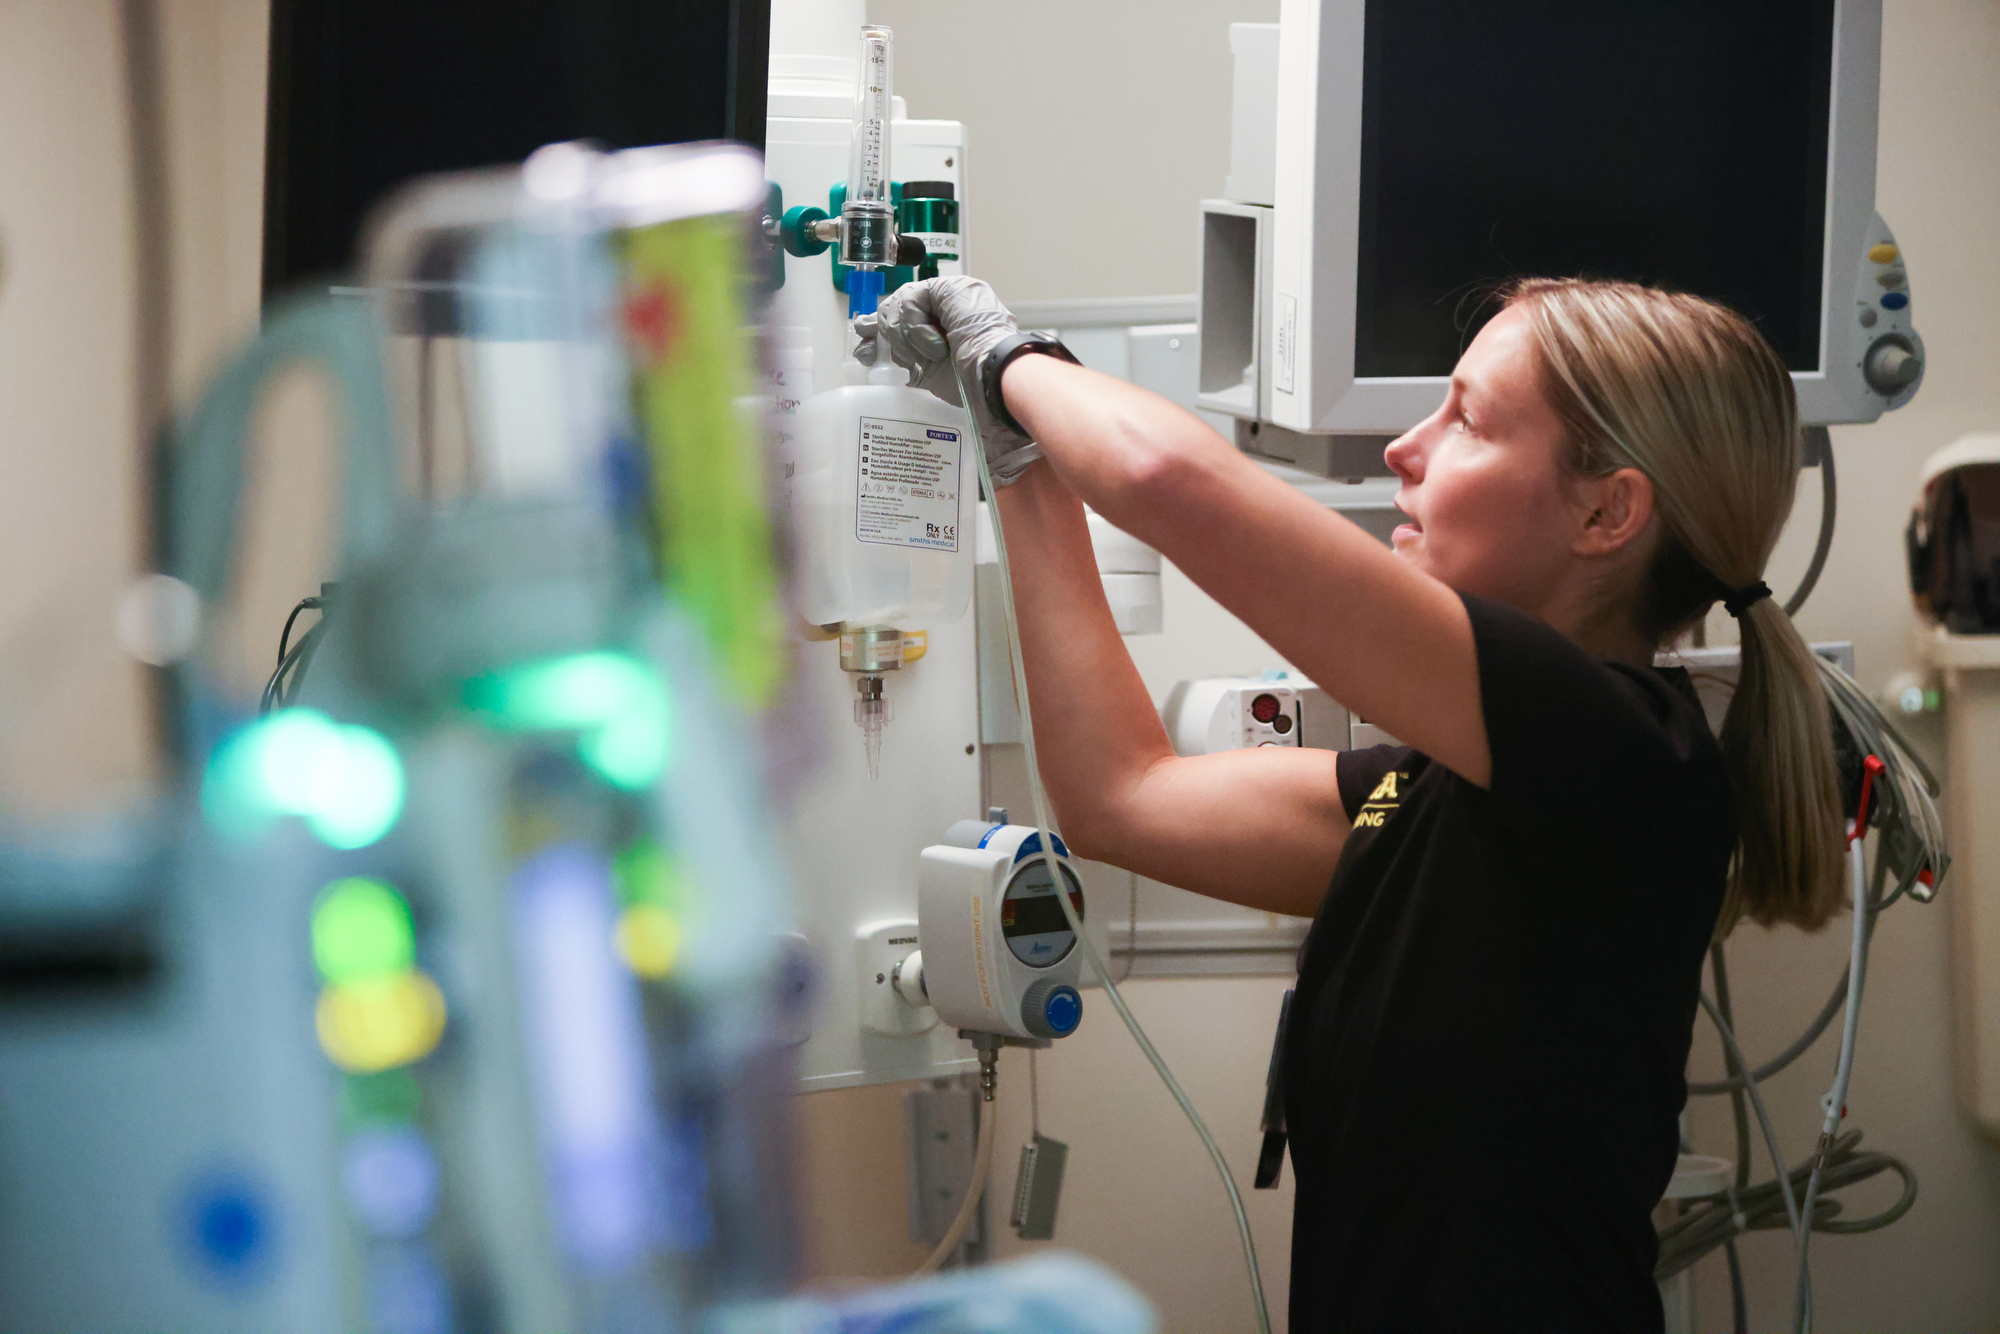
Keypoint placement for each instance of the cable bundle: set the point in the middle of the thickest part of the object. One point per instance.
(1715, 1221)
(294, 659)
(1909, 847)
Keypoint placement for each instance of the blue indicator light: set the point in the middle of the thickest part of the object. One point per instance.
(1895, 300)
(227, 1230)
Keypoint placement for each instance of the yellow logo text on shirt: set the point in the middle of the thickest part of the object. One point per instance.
(1381, 803)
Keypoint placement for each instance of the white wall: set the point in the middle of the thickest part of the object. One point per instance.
(68, 701)
(1119, 110)
(1095, 128)
(74, 723)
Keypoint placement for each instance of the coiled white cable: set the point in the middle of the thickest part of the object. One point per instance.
(1042, 826)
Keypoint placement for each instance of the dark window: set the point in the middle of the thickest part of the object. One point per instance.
(366, 94)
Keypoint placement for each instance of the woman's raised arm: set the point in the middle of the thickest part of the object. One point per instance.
(1381, 636)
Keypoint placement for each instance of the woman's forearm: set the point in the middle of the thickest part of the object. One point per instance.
(1112, 442)
(1096, 732)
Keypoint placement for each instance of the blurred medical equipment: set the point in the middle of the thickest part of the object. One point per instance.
(1043, 1294)
(547, 1087)
(1953, 541)
(1390, 162)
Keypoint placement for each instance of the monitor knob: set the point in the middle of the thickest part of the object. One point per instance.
(1891, 366)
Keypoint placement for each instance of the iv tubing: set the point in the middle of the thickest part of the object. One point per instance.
(1042, 823)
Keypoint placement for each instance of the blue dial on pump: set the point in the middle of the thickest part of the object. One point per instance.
(1051, 1009)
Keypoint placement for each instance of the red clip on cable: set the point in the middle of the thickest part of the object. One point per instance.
(1871, 769)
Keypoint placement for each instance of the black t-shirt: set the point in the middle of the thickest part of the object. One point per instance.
(1486, 1056)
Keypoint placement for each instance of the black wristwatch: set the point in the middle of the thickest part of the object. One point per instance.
(994, 362)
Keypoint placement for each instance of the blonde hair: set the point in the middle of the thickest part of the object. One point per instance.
(1691, 395)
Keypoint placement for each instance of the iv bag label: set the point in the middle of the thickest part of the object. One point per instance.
(907, 495)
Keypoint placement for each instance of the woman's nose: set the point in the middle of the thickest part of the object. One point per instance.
(1404, 456)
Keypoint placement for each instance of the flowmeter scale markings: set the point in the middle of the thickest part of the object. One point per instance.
(907, 491)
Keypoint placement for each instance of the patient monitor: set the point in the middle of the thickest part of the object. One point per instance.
(1393, 161)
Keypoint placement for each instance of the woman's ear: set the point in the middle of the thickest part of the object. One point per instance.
(1618, 508)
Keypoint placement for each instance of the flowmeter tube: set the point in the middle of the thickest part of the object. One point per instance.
(868, 216)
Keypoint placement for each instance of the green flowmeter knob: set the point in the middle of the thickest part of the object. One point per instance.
(796, 231)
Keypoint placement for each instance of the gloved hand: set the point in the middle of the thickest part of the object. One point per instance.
(928, 327)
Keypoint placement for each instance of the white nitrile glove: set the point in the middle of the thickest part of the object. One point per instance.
(928, 327)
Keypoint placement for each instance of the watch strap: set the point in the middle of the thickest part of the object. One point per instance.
(995, 362)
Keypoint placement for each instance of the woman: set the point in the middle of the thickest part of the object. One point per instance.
(1484, 1067)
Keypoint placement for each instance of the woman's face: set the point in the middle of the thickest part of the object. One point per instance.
(1482, 479)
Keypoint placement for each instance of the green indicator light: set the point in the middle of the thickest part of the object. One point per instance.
(358, 791)
(393, 1096)
(646, 873)
(617, 703)
(345, 781)
(361, 929)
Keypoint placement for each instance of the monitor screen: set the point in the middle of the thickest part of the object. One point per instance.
(366, 94)
(1676, 142)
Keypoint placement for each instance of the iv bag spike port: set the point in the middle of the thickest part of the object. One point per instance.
(871, 714)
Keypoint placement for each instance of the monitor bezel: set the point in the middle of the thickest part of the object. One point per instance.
(1314, 228)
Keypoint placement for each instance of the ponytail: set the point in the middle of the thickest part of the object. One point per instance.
(1777, 741)
(1691, 395)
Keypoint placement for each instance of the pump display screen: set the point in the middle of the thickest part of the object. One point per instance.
(1032, 921)
(1679, 142)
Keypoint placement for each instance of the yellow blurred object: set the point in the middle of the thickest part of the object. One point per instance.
(916, 643)
(648, 940)
(380, 1023)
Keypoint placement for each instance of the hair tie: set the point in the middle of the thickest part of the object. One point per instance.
(1739, 600)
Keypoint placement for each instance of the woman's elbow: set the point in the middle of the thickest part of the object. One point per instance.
(1087, 830)
(1101, 824)
(1147, 476)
